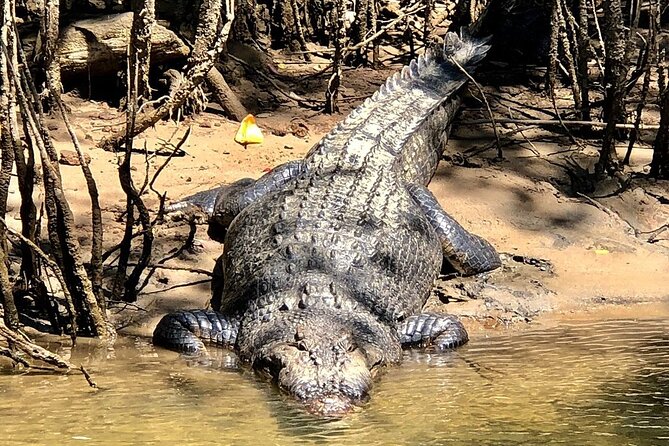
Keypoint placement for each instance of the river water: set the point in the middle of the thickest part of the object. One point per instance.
(582, 383)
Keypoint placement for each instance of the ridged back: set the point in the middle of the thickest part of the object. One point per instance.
(389, 118)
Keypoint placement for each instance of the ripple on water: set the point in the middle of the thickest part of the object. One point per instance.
(604, 383)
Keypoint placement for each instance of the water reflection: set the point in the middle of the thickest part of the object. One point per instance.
(603, 383)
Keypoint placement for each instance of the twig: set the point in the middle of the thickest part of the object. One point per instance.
(188, 243)
(204, 272)
(90, 381)
(161, 197)
(656, 232)
(36, 352)
(608, 212)
(535, 122)
(181, 285)
(533, 148)
(599, 29)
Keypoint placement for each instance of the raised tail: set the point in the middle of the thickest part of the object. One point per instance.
(463, 49)
(410, 96)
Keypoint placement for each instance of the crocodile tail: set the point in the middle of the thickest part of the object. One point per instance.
(463, 49)
(436, 64)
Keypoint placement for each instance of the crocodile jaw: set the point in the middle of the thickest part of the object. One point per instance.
(329, 379)
(325, 358)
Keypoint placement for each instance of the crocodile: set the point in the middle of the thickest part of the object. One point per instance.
(329, 260)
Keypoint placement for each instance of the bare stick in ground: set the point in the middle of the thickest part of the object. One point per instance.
(144, 18)
(49, 32)
(649, 58)
(96, 212)
(126, 286)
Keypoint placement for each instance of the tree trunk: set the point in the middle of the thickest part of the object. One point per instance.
(583, 52)
(360, 31)
(50, 24)
(9, 141)
(144, 19)
(225, 96)
(282, 28)
(659, 166)
(244, 28)
(614, 77)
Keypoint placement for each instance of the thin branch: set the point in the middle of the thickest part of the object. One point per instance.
(535, 122)
(500, 155)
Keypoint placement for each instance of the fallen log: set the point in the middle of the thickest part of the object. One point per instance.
(99, 46)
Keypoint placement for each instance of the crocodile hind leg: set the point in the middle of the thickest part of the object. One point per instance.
(443, 331)
(466, 252)
(232, 199)
(188, 331)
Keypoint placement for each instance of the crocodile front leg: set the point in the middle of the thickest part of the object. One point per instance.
(443, 331)
(232, 199)
(466, 252)
(188, 331)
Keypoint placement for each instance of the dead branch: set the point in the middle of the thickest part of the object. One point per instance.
(614, 215)
(96, 212)
(339, 34)
(180, 285)
(569, 123)
(186, 245)
(649, 57)
(134, 200)
(37, 353)
(614, 77)
(225, 97)
(204, 272)
(49, 33)
(161, 197)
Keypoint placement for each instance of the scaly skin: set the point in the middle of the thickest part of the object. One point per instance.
(329, 260)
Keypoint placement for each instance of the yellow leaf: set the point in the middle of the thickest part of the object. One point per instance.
(601, 252)
(248, 132)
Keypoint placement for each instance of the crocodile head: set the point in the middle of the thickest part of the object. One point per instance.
(324, 358)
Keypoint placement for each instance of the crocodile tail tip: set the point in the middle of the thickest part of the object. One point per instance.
(464, 49)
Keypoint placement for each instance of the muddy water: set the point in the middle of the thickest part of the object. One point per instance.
(604, 383)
